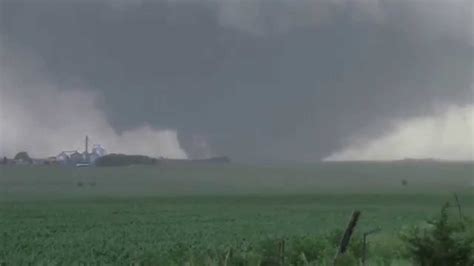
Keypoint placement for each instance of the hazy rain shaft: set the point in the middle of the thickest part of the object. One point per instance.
(255, 80)
(38, 117)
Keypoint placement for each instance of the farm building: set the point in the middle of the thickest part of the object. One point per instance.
(84, 158)
(62, 157)
(69, 157)
(75, 157)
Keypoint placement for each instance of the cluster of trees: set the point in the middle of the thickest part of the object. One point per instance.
(212, 160)
(19, 157)
(23, 156)
(125, 160)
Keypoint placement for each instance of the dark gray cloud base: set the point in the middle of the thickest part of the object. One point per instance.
(256, 80)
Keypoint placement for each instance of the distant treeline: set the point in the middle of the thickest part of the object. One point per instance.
(126, 160)
(221, 159)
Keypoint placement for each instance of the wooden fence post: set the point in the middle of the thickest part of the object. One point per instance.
(456, 199)
(346, 238)
(282, 252)
(364, 252)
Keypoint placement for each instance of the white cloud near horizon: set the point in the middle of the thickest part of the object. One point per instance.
(448, 135)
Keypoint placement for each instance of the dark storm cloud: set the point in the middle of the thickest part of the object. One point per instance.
(256, 80)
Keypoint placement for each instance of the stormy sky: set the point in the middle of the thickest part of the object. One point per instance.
(257, 80)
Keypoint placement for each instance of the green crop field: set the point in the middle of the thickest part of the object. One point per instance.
(195, 215)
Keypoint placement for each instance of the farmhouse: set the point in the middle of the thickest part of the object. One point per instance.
(63, 156)
(69, 157)
(76, 157)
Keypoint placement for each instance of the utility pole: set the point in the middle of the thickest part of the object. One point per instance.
(87, 144)
(86, 152)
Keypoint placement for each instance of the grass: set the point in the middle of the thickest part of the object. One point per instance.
(146, 214)
(28, 183)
